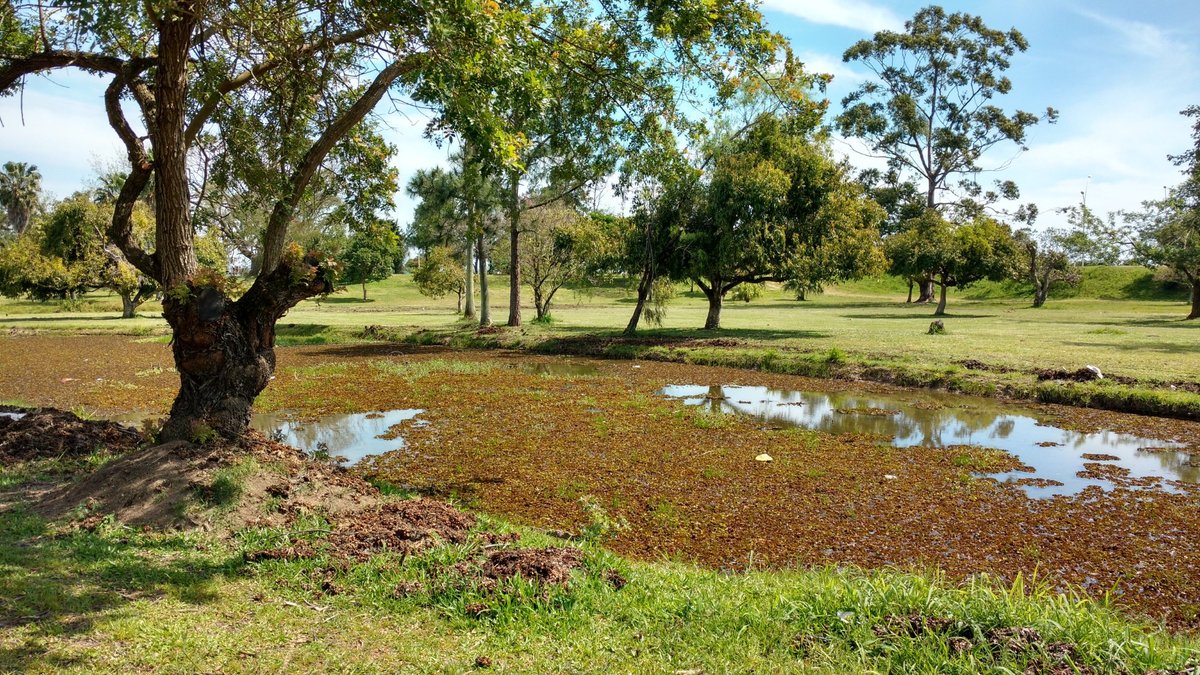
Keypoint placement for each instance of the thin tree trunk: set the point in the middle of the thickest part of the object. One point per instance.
(469, 310)
(364, 287)
(485, 308)
(911, 283)
(514, 255)
(1195, 301)
(643, 292)
(941, 308)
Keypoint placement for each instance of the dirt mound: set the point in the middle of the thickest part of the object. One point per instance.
(546, 565)
(46, 433)
(407, 526)
(177, 484)
(143, 487)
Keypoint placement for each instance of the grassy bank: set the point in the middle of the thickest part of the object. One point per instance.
(92, 595)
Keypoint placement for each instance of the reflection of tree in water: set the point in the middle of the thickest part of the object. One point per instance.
(912, 426)
(1179, 465)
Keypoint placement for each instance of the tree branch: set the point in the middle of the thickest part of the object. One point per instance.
(121, 229)
(53, 59)
(281, 215)
(245, 77)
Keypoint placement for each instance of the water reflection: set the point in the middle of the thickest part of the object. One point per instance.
(941, 420)
(351, 436)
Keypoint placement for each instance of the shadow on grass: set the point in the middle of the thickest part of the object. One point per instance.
(1145, 345)
(61, 583)
(920, 315)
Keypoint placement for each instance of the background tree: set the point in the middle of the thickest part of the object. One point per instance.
(956, 255)
(559, 246)
(438, 272)
(931, 112)
(20, 192)
(1045, 263)
(1092, 240)
(773, 202)
(371, 254)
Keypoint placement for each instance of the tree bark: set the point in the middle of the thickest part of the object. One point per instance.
(514, 255)
(225, 351)
(485, 305)
(174, 249)
(941, 308)
(1195, 301)
(364, 289)
(911, 283)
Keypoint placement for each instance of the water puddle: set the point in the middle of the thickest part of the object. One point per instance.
(353, 437)
(941, 420)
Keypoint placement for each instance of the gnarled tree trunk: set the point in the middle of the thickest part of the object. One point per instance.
(643, 294)
(225, 350)
(716, 298)
(926, 284)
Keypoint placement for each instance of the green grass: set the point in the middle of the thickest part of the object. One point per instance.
(118, 600)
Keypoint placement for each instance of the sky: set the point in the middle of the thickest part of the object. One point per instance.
(1117, 72)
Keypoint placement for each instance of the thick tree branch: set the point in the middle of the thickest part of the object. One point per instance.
(121, 229)
(258, 70)
(281, 215)
(53, 59)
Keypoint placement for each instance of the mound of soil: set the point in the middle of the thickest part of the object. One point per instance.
(46, 433)
(545, 565)
(408, 526)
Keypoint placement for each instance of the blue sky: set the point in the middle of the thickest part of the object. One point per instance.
(1118, 72)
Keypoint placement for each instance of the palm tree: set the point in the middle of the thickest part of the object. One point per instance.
(20, 184)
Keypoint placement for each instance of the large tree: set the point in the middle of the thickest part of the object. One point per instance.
(20, 191)
(192, 67)
(931, 112)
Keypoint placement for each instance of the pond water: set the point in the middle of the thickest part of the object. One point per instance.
(353, 436)
(941, 420)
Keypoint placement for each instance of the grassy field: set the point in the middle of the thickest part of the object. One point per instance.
(1118, 319)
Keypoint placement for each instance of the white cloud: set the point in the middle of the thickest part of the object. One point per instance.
(854, 14)
(1141, 38)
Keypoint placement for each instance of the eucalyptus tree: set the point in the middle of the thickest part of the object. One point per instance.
(194, 67)
(931, 109)
(20, 191)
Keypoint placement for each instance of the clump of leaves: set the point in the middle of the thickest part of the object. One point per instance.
(601, 525)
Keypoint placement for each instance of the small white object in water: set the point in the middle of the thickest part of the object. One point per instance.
(764, 458)
(889, 476)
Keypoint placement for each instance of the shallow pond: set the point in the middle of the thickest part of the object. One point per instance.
(942, 420)
(352, 437)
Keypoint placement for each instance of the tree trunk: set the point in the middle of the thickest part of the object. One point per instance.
(1041, 289)
(1195, 301)
(941, 308)
(129, 306)
(225, 351)
(643, 292)
(364, 287)
(469, 310)
(485, 308)
(926, 290)
(514, 255)
(911, 283)
(715, 300)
